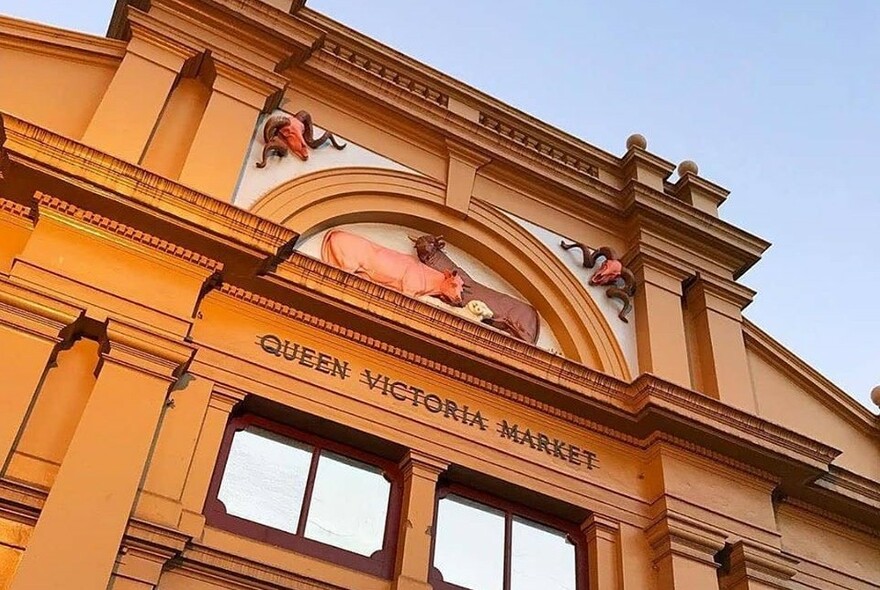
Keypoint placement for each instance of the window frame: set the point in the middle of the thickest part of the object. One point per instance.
(510, 509)
(380, 563)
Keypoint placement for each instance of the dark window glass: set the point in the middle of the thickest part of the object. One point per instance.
(295, 490)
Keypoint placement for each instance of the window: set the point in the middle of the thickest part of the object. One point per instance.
(482, 543)
(295, 490)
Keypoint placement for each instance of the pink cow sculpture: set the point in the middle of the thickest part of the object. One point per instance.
(393, 269)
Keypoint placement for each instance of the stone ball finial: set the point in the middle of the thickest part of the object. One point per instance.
(875, 396)
(636, 140)
(688, 166)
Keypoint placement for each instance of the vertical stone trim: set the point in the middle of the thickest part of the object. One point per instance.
(603, 553)
(139, 567)
(461, 172)
(749, 566)
(420, 473)
(131, 106)
(78, 534)
(220, 146)
(35, 327)
(721, 351)
(684, 553)
(660, 332)
(198, 480)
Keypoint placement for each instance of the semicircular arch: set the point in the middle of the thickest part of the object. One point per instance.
(324, 199)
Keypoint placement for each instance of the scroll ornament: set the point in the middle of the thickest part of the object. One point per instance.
(283, 135)
(620, 280)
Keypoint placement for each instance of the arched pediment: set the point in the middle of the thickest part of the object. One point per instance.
(329, 198)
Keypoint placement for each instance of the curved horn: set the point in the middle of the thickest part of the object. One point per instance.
(272, 125)
(623, 297)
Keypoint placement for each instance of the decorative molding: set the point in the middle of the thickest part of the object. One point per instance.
(745, 561)
(16, 209)
(39, 148)
(821, 518)
(54, 41)
(135, 235)
(149, 352)
(648, 390)
(215, 565)
(392, 74)
(532, 141)
(674, 534)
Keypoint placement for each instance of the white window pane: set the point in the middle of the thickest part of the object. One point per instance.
(469, 548)
(349, 505)
(265, 478)
(540, 558)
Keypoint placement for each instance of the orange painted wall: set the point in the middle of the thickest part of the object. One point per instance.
(53, 90)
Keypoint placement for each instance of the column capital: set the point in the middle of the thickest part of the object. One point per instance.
(598, 525)
(257, 88)
(144, 351)
(417, 463)
(654, 267)
(35, 313)
(719, 294)
(225, 398)
(673, 534)
(746, 561)
(155, 42)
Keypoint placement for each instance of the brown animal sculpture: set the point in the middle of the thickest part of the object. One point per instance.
(619, 279)
(508, 313)
(393, 269)
(285, 134)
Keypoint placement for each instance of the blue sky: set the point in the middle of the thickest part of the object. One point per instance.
(779, 102)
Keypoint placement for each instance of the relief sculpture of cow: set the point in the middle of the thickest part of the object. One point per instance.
(390, 268)
(508, 313)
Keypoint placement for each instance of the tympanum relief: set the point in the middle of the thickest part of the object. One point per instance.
(427, 267)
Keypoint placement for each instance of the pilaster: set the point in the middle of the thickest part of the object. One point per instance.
(131, 106)
(220, 405)
(684, 553)
(660, 330)
(420, 473)
(748, 566)
(603, 553)
(239, 94)
(715, 310)
(79, 531)
(34, 326)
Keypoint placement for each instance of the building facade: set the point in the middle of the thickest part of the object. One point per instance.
(282, 308)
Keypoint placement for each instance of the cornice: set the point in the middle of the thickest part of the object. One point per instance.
(820, 518)
(59, 41)
(99, 172)
(162, 357)
(814, 382)
(648, 390)
(735, 248)
(845, 482)
(436, 87)
(16, 210)
(137, 236)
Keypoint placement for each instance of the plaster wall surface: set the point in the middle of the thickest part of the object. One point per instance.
(785, 402)
(255, 182)
(53, 91)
